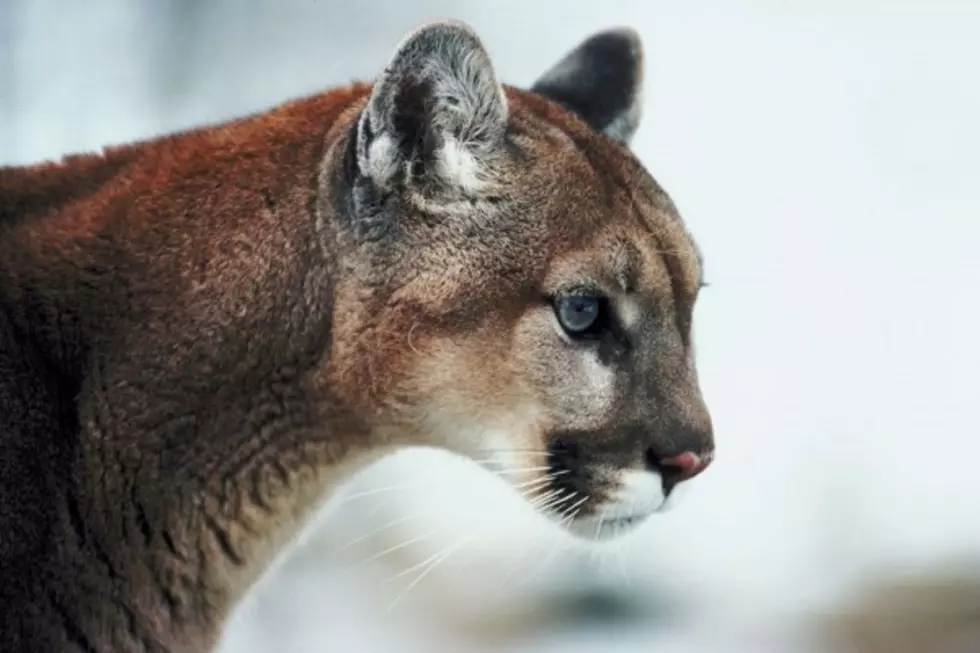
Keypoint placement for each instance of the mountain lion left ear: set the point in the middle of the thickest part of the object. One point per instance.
(437, 115)
(601, 80)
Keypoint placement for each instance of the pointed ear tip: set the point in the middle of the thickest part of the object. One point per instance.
(626, 32)
(622, 35)
(447, 27)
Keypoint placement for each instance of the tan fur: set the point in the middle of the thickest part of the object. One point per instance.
(201, 334)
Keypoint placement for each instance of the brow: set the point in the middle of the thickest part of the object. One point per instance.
(626, 264)
(670, 235)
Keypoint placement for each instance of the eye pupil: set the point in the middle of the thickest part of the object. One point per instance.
(577, 313)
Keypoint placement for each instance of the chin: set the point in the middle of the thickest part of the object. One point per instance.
(639, 499)
(600, 529)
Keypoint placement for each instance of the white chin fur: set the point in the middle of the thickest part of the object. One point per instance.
(640, 495)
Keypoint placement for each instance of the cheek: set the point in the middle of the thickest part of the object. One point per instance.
(463, 393)
(598, 383)
(516, 451)
(578, 390)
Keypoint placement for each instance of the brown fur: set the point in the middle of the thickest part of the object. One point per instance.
(201, 334)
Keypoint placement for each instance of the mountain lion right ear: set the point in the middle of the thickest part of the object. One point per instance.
(436, 115)
(601, 80)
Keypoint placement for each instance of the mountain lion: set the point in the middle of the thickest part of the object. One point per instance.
(202, 334)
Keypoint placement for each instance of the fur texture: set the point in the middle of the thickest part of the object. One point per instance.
(202, 333)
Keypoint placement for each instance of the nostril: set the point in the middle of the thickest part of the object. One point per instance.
(653, 461)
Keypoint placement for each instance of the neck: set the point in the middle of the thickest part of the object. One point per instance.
(172, 302)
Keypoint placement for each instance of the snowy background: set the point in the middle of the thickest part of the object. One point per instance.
(826, 155)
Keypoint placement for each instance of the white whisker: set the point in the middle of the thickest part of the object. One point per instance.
(533, 494)
(381, 490)
(531, 486)
(399, 546)
(427, 566)
(379, 529)
(554, 503)
(621, 549)
(553, 507)
(598, 527)
(522, 470)
(532, 481)
(547, 496)
(575, 506)
(602, 560)
(571, 513)
(543, 479)
(513, 567)
(542, 452)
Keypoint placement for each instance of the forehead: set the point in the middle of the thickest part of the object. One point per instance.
(634, 252)
(610, 211)
(573, 204)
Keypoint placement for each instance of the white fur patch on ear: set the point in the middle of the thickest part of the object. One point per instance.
(382, 159)
(437, 113)
(456, 164)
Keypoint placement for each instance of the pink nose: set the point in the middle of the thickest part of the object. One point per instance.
(685, 466)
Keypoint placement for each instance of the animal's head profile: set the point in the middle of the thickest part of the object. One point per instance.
(519, 289)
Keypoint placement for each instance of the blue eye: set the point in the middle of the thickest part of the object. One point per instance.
(578, 314)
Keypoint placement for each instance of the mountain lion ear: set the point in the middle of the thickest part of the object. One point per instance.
(436, 115)
(601, 80)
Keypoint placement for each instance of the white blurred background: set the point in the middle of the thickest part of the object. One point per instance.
(826, 155)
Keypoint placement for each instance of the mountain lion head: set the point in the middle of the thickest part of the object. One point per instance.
(536, 302)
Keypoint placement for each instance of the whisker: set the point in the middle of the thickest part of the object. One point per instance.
(575, 506)
(557, 544)
(597, 557)
(554, 505)
(434, 556)
(380, 490)
(427, 566)
(598, 528)
(533, 484)
(379, 529)
(541, 479)
(535, 500)
(545, 497)
(544, 563)
(549, 500)
(411, 345)
(399, 546)
(621, 549)
(513, 568)
(571, 516)
(521, 470)
(574, 509)
(514, 449)
(507, 471)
